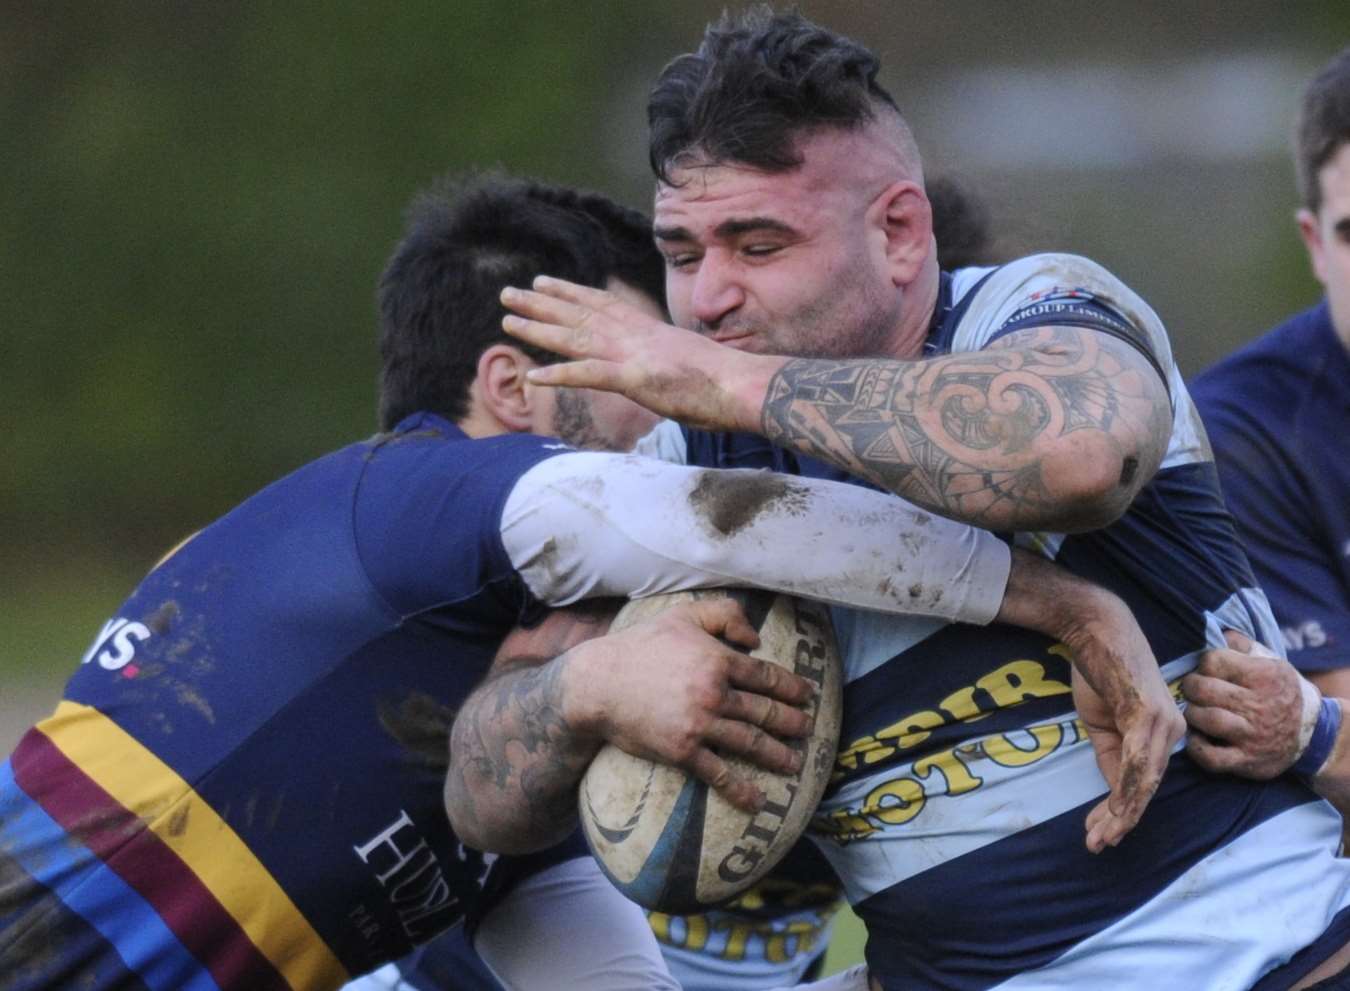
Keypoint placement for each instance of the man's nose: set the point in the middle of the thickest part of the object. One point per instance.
(716, 293)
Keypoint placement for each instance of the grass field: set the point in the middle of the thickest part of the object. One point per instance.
(846, 948)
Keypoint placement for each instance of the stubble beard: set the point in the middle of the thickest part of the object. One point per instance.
(574, 423)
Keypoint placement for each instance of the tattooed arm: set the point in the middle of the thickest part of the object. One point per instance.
(665, 689)
(1047, 428)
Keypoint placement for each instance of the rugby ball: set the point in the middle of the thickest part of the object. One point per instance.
(667, 840)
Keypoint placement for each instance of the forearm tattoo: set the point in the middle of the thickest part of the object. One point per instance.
(968, 435)
(513, 755)
(514, 759)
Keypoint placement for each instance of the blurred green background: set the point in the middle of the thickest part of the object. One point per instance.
(198, 198)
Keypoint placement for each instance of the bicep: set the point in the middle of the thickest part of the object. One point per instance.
(1087, 379)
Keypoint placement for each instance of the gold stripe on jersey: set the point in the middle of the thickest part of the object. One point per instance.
(214, 852)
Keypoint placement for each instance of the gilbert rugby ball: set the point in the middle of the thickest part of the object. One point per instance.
(667, 840)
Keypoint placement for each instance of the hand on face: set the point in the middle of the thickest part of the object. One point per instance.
(619, 348)
(1247, 708)
(670, 691)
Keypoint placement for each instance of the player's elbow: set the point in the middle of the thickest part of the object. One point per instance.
(1091, 485)
(485, 824)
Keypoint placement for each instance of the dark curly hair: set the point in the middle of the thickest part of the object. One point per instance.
(464, 242)
(756, 82)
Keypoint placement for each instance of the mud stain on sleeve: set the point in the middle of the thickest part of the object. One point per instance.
(731, 500)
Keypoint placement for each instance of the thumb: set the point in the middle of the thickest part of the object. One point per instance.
(1239, 641)
(725, 618)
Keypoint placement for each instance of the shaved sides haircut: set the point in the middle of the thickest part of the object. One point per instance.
(759, 81)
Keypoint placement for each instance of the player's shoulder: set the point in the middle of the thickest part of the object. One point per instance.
(427, 444)
(1270, 364)
(1050, 288)
(1040, 274)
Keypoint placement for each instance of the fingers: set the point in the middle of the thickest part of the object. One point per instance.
(715, 772)
(759, 710)
(740, 739)
(766, 678)
(1143, 760)
(1201, 689)
(546, 310)
(542, 333)
(1215, 757)
(1239, 641)
(1221, 724)
(725, 618)
(607, 376)
(1104, 827)
(595, 299)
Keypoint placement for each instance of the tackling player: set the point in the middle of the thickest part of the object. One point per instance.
(1039, 396)
(242, 787)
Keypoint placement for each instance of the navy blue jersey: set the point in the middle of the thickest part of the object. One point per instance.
(242, 787)
(955, 815)
(1278, 415)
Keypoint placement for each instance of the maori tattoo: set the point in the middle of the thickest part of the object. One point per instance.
(1002, 438)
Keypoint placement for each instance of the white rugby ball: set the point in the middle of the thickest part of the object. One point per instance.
(667, 840)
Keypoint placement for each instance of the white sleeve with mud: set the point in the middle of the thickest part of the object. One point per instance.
(592, 524)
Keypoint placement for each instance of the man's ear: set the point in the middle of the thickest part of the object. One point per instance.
(902, 219)
(1311, 232)
(501, 386)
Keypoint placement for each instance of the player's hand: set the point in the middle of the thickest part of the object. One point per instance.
(1248, 707)
(619, 348)
(1131, 717)
(668, 690)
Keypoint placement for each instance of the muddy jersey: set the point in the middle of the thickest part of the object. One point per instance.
(1277, 411)
(242, 786)
(955, 815)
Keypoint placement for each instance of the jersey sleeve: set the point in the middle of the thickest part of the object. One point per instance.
(591, 524)
(1068, 290)
(1279, 529)
(428, 520)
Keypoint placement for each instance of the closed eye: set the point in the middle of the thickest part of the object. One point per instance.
(761, 250)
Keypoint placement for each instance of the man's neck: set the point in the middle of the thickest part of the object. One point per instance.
(479, 423)
(1342, 335)
(921, 300)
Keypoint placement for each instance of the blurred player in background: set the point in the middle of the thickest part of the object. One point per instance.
(1278, 413)
(1039, 396)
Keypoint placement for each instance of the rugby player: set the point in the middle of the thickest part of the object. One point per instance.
(1038, 397)
(242, 787)
(777, 933)
(1276, 412)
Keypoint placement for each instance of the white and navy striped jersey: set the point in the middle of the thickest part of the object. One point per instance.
(955, 818)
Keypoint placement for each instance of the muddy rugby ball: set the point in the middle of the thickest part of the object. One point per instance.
(671, 843)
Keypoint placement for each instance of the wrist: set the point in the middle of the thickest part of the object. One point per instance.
(580, 702)
(751, 391)
(1322, 740)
